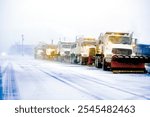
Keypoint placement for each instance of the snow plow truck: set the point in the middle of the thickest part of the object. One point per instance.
(115, 51)
(45, 51)
(83, 51)
(63, 51)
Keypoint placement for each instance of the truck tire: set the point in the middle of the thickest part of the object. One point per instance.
(105, 67)
(81, 61)
(97, 64)
(73, 59)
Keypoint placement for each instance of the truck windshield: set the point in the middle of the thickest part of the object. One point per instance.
(119, 40)
(66, 46)
(88, 43)
(121, 51)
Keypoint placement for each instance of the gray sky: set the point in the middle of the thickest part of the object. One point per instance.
(44, 20)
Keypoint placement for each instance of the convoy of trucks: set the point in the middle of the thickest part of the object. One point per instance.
(115, 51)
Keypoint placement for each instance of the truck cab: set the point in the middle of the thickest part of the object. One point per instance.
(111, 44)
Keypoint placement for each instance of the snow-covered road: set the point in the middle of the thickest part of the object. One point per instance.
(26, 78)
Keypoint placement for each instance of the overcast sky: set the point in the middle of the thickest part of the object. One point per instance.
(46, 20)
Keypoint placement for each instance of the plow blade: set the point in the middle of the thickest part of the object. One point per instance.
(134, 59)
(129, 64)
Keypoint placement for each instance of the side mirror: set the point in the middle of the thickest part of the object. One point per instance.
(100, 41)
(134, 41)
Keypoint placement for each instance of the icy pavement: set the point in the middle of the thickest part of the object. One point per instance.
(26, 78)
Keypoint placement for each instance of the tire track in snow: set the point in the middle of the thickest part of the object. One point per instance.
(104, 83)
(99, 82)
(69, 82)
(1, 87)
(81, 89)
(113, 87)
(10, 90)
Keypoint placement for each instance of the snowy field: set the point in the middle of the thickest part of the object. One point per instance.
(25, 78)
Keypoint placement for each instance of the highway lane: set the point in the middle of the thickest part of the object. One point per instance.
(37, 79)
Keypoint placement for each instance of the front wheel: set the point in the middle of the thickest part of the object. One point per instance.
(79, 60)
(105, 67)
(98, 64)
